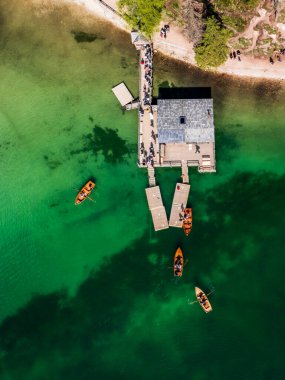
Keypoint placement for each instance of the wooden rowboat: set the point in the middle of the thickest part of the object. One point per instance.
(203, 300)
(178, 263)
(187, 221)
(84, 192)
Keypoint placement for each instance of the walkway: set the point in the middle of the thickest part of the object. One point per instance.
(148, 143)
(179, 204)
(156, 208)
(151, 176)
(185, 176)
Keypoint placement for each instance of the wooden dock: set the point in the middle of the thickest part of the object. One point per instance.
(123, 94)
(151, 176)
(185, 176)
(133, 105)
(178, 205)
(156, 207)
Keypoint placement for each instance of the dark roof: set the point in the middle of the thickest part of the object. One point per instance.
(198, 126)
(185, 93)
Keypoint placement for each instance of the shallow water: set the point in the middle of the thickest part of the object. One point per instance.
(86, 291)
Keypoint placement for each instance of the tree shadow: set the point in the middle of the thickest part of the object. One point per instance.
(104, 141)
(244, 212)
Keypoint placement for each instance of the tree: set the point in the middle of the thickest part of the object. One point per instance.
(213, 50)
(142, 14)
(191, 13)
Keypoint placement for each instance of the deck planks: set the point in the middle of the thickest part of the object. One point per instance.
(156, 207)
(179, 204)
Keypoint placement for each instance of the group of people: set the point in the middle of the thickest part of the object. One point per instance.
(202, 298)
(235, 54)
(148, 157)
(178, 266)
(147, 62)
(164, 30)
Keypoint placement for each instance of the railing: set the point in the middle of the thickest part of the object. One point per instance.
(109, 7)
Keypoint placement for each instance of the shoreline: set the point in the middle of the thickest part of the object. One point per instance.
(177, 47)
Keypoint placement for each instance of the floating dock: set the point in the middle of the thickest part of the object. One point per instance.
(179, 204)
(156, 207)
(123, 94)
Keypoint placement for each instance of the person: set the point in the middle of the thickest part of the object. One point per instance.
(234, 55)
(231, 55)
(239, 58)
(238, 52)
(271, 60)
(178, 187)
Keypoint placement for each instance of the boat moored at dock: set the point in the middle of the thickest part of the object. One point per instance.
(187, 221)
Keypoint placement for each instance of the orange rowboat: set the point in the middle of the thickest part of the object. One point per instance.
(84, 192)
(203, 300)
(187, 221)
(178, 263)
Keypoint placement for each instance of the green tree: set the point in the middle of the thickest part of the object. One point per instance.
(213, 50)
(144, 15)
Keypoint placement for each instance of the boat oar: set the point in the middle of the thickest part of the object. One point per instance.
(212, 291)
(191, 303)
(90, 199)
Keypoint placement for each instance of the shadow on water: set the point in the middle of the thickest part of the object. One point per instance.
(52, 163)
(86, 37)
(79, 328)
(105, 141)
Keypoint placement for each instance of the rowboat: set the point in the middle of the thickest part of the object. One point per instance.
(84, 192)
(187, 221)
(178, 263)
(203, 300)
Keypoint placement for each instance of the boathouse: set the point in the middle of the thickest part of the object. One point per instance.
(185, 128)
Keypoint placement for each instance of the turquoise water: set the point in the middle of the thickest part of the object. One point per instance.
(86, 291)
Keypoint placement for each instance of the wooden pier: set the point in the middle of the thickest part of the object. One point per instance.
(123, 94)
(156, 207)
(151, 176)
(185, 176)
(133, 105)
(179, 204)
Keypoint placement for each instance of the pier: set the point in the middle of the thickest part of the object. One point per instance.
(176, 131)
(185, 176)
(179, 204)
(123, 94)
(148, 149)
(156, 207)
(151, 176)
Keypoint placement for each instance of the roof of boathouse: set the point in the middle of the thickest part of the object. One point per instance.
(185, 115)
(123, 94)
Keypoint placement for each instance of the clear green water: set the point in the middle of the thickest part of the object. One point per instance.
(86, 292)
